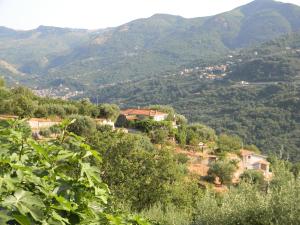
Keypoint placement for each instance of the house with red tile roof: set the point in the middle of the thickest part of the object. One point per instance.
(140, 114)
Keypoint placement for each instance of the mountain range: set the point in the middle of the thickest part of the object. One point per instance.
(81, 59)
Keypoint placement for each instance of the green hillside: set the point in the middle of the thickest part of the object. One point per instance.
(30, 51)
(276, 60)
(80, 171)
(258, 99)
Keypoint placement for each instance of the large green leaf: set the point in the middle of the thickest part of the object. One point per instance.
(65, 155)
(39, 149)
(91, 152)
(8, 182)
(91, 173)
(25, 202)
(21, 219)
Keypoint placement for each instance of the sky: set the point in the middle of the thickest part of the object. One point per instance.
(95, 14)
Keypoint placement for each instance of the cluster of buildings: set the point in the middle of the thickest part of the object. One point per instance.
(60, 92)
(209, 72)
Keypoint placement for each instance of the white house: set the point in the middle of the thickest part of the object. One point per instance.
(37, 124)
(103, 121)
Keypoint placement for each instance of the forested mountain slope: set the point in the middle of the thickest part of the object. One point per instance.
(258, 99)
(147, 47)
(141, 48)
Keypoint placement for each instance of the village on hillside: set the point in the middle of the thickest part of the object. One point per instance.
(200, 158)
(61, 91)
(213, 72)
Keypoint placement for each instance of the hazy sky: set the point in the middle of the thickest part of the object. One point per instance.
(92, 14)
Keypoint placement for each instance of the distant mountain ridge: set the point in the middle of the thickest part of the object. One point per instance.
(141, 48)
(271, 62)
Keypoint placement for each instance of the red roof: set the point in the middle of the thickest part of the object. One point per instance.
(143, 112)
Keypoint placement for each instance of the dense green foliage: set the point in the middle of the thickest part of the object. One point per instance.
(229, 143)
(248, 204)
(223, 170)
(109, 111)
(21, 102)
(67, 180)
(197, 133)
(82, 125)
(53, 182)
(265, 115)
(253, 177)
(138, 174)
